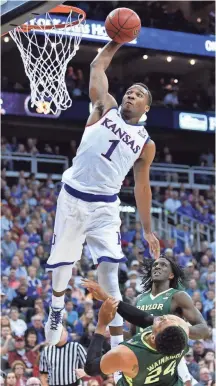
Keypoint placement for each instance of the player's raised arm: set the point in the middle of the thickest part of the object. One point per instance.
(199, 328)
(118, 359)
(98, 85)
(143, 195)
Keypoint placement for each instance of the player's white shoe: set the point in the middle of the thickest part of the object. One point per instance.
(54, 326)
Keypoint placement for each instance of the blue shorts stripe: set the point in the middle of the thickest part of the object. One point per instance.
(111, 259)
(58, 264)
(89, 197)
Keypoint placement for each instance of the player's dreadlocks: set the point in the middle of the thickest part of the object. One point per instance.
(172, 340)
(178, 282)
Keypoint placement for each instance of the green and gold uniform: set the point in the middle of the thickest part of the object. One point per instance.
(155, 305)
(154, 368)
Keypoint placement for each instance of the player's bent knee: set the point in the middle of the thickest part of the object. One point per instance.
(117, 321)
(108, 278)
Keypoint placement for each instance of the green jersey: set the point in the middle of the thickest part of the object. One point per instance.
(156, 305)
(154, 368)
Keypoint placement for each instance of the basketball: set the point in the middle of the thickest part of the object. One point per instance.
(123, 25)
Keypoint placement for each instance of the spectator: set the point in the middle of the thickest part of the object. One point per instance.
(34, 284)
(130, 296)
(18, 326)
(7, 345)
(13, 282)
(210, 343)
(37, 326)
(16, 264)
(192, 287)
(193, 367)
(76, 292)
(23, 301)
(72, 315)
(171, 99)
(6, 221)
(19, 370)
(186, 209)
(20, 354)
(199, 350)
(172, 203)
(39, 269)
(204, 263)
(10, 293)
(73, 148)
(205, 376)
(208, 302)
(33, 382)
(9, 246)
(186, 258)
(210, 361)
(31, 339)
(10, 379)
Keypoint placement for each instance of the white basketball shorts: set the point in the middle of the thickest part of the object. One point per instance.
(77, 221)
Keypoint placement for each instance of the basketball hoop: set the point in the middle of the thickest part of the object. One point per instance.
(45, 58)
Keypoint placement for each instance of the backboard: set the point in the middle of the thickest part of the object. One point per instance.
(15, 13)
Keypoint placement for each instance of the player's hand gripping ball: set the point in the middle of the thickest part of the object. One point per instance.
(123, 25)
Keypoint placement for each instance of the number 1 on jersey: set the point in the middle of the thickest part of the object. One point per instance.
(111, 149)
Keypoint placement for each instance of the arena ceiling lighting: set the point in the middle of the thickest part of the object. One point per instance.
(192, 62)
(169, 59)
(175, 80)
(145, 57)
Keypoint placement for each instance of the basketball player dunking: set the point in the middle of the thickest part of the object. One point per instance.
(88, 206)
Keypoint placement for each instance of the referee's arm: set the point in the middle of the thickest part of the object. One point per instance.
(82, 355)
(43, 368)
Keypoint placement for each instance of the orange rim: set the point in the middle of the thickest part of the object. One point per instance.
(63, 9)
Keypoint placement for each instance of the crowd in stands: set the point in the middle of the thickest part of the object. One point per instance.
(28, 212)
(166, 91)
(33, 147)
(155, 14)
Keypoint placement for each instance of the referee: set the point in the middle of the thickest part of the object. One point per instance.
(58, 363)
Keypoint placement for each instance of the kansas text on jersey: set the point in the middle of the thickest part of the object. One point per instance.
(108, 150)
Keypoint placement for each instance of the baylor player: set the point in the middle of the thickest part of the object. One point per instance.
(161, 280)
(149, 357)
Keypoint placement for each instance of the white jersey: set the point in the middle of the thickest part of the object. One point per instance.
(108, 150)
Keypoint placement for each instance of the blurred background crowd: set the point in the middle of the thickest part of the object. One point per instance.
(159, 14)
(166, 90)
(34, 146)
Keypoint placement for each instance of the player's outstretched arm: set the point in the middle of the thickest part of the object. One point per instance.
(143, 195)
(98, 86)
(199, 328)
(130, 313)
(120, 358)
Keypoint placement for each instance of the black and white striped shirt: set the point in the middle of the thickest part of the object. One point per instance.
(60, 363)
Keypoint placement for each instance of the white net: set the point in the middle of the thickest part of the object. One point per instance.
(45, 55)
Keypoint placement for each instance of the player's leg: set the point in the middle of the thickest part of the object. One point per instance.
(108, 280)
(183, 371)
(67, 244)
(103, 238)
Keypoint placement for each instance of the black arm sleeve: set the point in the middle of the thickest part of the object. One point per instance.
(94, 355)
(135, 316)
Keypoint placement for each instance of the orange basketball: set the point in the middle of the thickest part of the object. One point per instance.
(123, 25)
